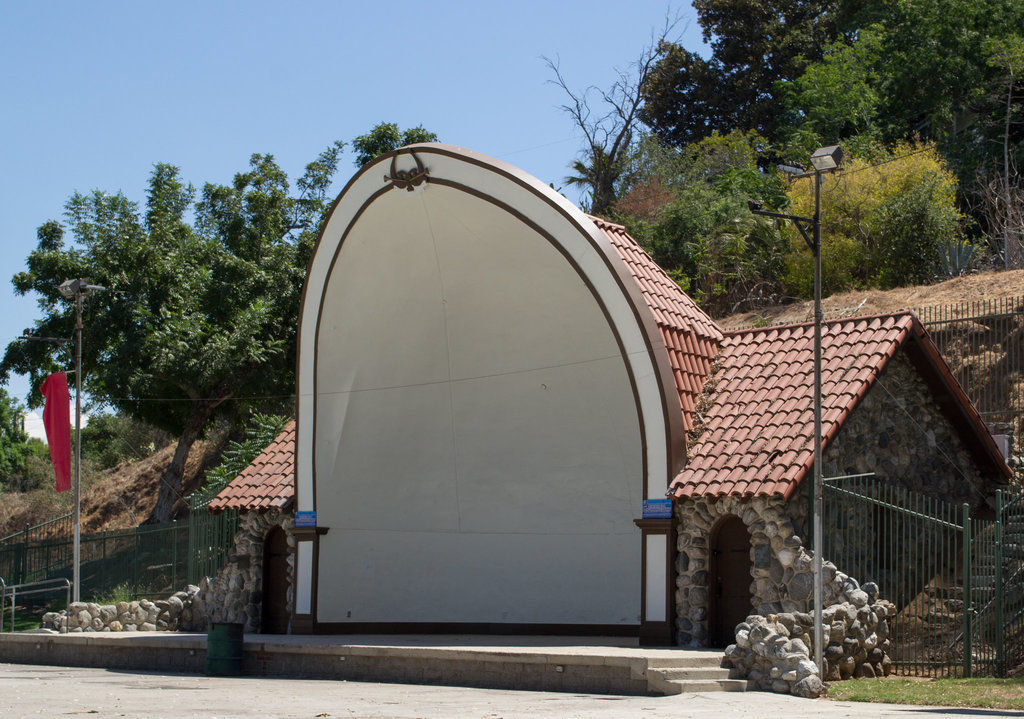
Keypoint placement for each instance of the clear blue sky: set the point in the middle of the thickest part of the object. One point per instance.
(94, 93)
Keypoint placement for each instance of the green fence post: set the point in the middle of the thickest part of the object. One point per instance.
(999, 630)
(174, 556)
(968, 607)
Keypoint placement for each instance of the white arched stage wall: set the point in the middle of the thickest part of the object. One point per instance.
(484, 401)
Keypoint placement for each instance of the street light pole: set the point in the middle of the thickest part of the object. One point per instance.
(77, 481)
(77, 290)
(819, 491)
(825, 159)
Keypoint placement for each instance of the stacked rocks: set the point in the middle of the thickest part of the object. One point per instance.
(138, 616)
(775, 650)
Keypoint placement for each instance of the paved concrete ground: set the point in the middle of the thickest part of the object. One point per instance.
(32, 690)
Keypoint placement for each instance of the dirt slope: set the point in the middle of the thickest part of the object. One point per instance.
(981, 286)
(119, 498)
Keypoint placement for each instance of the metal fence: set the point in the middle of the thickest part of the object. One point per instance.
(144, 561)
(957, 582)
(59, 527)
(983, 343)
(210, 539)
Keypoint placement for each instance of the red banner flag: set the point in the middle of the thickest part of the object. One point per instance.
(57, 421)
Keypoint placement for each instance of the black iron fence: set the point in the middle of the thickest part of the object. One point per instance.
(147, 561)
(957, 582)
(983, 343)
(59, 527)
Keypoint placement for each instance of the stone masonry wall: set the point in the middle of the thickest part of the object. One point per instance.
(900, 433)
(235, 595)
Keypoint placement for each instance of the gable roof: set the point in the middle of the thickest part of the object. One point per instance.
(267, 482)
(757, 436)
(691, 337)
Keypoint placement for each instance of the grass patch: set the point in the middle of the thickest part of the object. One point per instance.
(121, 593)
(982, 693)
(24, 619)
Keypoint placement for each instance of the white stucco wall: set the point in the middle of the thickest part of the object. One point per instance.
(478, 451)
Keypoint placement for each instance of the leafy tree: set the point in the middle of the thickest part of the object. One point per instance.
(386, 137)
(14, 442)
(884, 222)
(702, 231)
(199, 319)
(755, 44)
(834, 100)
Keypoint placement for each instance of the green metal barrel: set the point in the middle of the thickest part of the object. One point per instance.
(224, 650)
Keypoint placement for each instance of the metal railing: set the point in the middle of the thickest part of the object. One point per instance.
(58, 527)
(44, 586)
(210, 539)
(957, 581)
(983, 343)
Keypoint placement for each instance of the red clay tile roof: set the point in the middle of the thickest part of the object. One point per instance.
(265, 483)
(758, 435)
(690, 336)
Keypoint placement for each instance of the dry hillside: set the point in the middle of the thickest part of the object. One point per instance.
(972, 288)
(118, 498)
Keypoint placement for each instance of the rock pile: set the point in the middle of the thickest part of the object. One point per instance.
(775, 650)
(137, 616)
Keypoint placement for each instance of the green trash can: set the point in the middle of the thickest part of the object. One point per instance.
(224, 650)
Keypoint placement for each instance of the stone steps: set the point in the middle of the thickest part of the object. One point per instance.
(699, 674)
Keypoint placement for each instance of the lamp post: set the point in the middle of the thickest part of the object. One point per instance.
(824, 159)
(77, 290)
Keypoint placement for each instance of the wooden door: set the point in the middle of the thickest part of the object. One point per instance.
(729, 580)
(274, 616)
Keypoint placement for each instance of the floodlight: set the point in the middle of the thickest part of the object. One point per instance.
(827, 158)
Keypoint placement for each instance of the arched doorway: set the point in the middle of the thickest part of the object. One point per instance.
(728, 580)
(274, 616)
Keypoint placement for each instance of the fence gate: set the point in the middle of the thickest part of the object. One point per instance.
(956, 582)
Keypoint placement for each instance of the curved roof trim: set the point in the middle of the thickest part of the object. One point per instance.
(542, 209)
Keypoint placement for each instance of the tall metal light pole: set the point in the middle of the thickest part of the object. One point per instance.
(77, 290)
(824, 159)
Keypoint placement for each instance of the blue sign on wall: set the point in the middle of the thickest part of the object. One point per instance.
(305, 519)
(657, 508)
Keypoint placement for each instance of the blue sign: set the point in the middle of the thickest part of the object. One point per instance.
(305, 519)
(657, 508)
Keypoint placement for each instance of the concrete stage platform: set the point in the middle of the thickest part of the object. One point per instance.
(601, 665)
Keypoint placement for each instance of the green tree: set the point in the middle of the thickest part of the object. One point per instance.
(754, 44)
(701, 230)
(14, 443)
(386, 137)
(835, 100)
(199, 319)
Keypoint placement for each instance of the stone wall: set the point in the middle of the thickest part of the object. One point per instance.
(900, 433)
(235, 595)
(782, 578)
(136, 616)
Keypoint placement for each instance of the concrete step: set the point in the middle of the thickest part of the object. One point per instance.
(690, 679)
(701, 673)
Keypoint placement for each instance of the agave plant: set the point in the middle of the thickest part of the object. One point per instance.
(956, 258)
